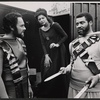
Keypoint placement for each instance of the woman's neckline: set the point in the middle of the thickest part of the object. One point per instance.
(49, 27)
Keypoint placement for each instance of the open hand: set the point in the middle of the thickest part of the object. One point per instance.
(47, 61)
(93, 80)
(30, 92)
(52, 45)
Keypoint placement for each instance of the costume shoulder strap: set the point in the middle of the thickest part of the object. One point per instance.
(21, 41)
(23, 44)
(75, 42)
(13, 61)
(4, 45)
(80, 51)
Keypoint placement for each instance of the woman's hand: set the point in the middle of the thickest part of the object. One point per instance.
(93, 80)
(30, 92)
(52, 45)
(66, 69)
(47, 61)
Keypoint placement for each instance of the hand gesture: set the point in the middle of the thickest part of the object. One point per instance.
(93, 80)
(66, 69)
(52, 45)
(30, 92)
(47, 61)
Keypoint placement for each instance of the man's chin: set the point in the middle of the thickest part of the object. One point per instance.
(20, 36)
(80, 33)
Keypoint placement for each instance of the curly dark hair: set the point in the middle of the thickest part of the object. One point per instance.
(42, 11)
(10, 20)
(86, 15)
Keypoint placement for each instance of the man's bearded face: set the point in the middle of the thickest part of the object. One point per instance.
(20, 28)
(82, 26)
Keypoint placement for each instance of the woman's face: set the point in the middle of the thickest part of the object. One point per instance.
(42, 20)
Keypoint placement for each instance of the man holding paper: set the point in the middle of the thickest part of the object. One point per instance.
(85, 60)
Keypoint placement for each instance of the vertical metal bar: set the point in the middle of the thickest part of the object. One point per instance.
(89, 8)
(82, 7)
(72, 20)
(96, 22)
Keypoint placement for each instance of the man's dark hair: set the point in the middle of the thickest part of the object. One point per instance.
(86, 15)
(10, 20)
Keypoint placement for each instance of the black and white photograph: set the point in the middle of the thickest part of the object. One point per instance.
(49, 49)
